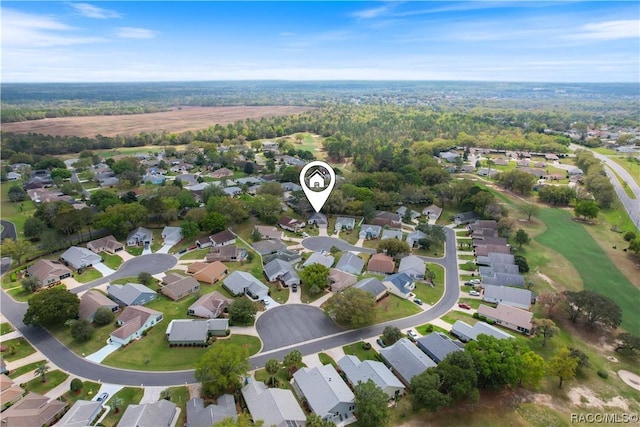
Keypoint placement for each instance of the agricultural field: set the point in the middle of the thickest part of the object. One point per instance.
(179, 119)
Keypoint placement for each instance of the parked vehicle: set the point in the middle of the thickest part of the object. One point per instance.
(412, 335)
(103, 397)
(474, 293)
(294, 288)
(418, 301)
(464, 305)
(381, 343)
(475, 281)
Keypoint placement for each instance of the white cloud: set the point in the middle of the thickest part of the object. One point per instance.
(609, 30)
(91, 11)
(135, 33)
(371, 13)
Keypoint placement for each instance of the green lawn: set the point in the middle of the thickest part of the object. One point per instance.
(306, 297)
(624, 185)
(15, 212)
(87, 392)
(282, 378)
(467, 257)
(427, 293)
(454, 315)
(54, 378)
(17, 348)
(5, 328)
(424, 329)
(596, 270)
(356, 349)
(180, 396)
(325, 359)
(111, 261)
(99, 339)
(630, 165)
(25, 369)
(474, 303)
(129, 395)
(135, 250)
(393, 307)
(196, 254)
(90, 274)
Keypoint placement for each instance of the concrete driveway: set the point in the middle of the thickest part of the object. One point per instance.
(102, 268)
(270, 303)
(101, 354)
(292, 323)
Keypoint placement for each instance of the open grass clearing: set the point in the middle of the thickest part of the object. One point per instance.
(428, 328)
(88, 275)
(603, 276)
(325, 359)
(473, 302)
(99, 339)
(129, 396)
(624, 185)
(17, 348)
(427, 293)
(393, 307)
(87, 392)
(467, 257)
(454, 315)
(5, 328)
(630, 165)
(53, 379)
(18, 212)
(180, 396)
(24, 369)
(356, 349)
(111, 261)
(196, 254)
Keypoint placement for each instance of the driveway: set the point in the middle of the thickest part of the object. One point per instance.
(292, 323)
(165, 248)
(102, 268)
(270, 303)
(101, 354)
(321, 243)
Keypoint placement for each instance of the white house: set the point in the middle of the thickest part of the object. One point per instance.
(133, 321)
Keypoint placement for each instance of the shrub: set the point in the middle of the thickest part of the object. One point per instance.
(603, 374)
(366, 345)
(629, 236)
(14, 276)
(429, 327)
(476, 315)
(227, 332)
(76, 384)
(103, 316)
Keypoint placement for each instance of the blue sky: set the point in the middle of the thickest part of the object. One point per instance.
(572, 41)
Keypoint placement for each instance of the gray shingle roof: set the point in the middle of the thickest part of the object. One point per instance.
(323, 388)
(238, 281)
(158, 414)
(406, 359)
(129, 292)
(401, 281)
(357, 370)
(318, 258)
(371, 285)
(265, 247)
(503, 279)
(437, 345)
(350, 263)
(499, 268)
(78, 257)
(391, 234)
(283, 270)
(494, 257)
(276, 407)
(199, 416)
(507, 295)
(81, 414)
(412, 265)
(463, 329)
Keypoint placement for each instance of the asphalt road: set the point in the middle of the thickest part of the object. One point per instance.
(8, 230)
(68, 361)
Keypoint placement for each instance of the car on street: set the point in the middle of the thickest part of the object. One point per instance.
(417, 301)
(474, 293)
(381, 343)
(103, 397)
(464, 305)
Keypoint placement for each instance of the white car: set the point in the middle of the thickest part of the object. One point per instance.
(475, 281)
(412, 333)
(474, 293)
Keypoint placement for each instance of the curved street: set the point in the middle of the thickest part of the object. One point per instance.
(65, 359)
(8, 230)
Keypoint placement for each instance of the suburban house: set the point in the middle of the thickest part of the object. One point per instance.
(290, 186)
(318, 219)
(449, 156)
(283, 255)
(413, 267)
(369, 232)
(82, 413)
(209, 306)
(171, 235)
(10, 392)
(344, 223)
(381, 263)
(350, 263)
(503, 279)
(134, 320)
(483, 223)
(140, 236)
(200, 416)
(32, 410)
(195, 332)
(91, 301)
(208, 272)
(466, 332)
(228, 253)
(290, 224)
(414, 237)
(177, 287)
(221, 173)
(327, 394)
(79, 258)
(484, 250)
(391, 234)
(48, 272)
(268, 232)
(399, 284)
(402, 211)
(274, 406)
(437, 346)
(339, 280)
(131, 294)
(223, 238)
(519, 298)
(495, 258)
(509, 317)
(107, 244)
(498, 268)
(266, 247)
(432, 211)
(488, 240)
(269, 145)
(406, 360)
(372, 286)
(318, 258)
(362, 371)
(157, 414)
(391, 219)
(465, 218)
(240, 283)
(283, 271)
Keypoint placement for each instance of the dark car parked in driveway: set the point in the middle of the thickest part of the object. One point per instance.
(381, 343)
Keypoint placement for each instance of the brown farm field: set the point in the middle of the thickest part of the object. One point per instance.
(177, 120)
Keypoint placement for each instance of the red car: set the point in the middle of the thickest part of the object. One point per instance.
(464, 305)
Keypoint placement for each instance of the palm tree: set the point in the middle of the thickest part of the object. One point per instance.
(165, 394)
(42, 370)
(116, 403)
(272, 367)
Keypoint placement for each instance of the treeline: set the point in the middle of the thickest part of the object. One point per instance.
(13, 114)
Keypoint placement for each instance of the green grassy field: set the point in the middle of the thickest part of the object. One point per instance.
(631, 166)
(596, 270)
(99, 339)
(111, 261)
(25, 369)
(54, 378)
(89, 275)
(129, 395)
(180, 396)
(17, 348)
(87, 392)
(5, 328)
(393, 307)
(15, 212)
(356, 349)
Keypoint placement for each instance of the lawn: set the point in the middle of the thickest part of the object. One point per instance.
(454, 315)
(15, 212)
(129, 395)
(25, 369)
(427, 293)
(356, 349)
(306, 297)
(282, 378)
(325, 359)
(467, 257)
(196, 254)
(89, 275)
(111, 261)
(99, 339)
(474, 303)
(624, 185)
(602, 276)
(87, 392)
(5, 328)
(135, 250)
(54, 378)
(630, 165)
(180, 396)
(17, 348)
(393, 307)
(427, 328)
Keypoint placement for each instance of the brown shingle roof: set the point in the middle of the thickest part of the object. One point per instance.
(91, 301)
(221, 237)
(132, 318)
(211, 272)
(32, 410)
(179, 288)
(381, 263)
(44, 268)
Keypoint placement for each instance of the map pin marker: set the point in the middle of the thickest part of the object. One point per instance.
(317, 190)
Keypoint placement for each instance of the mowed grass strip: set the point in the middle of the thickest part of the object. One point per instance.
(597, 271)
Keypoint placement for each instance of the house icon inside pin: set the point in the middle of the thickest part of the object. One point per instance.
(316, 180)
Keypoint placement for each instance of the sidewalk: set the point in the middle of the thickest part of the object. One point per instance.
(321, 300)
(35, 357)
(10, 336)
(61, 389)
